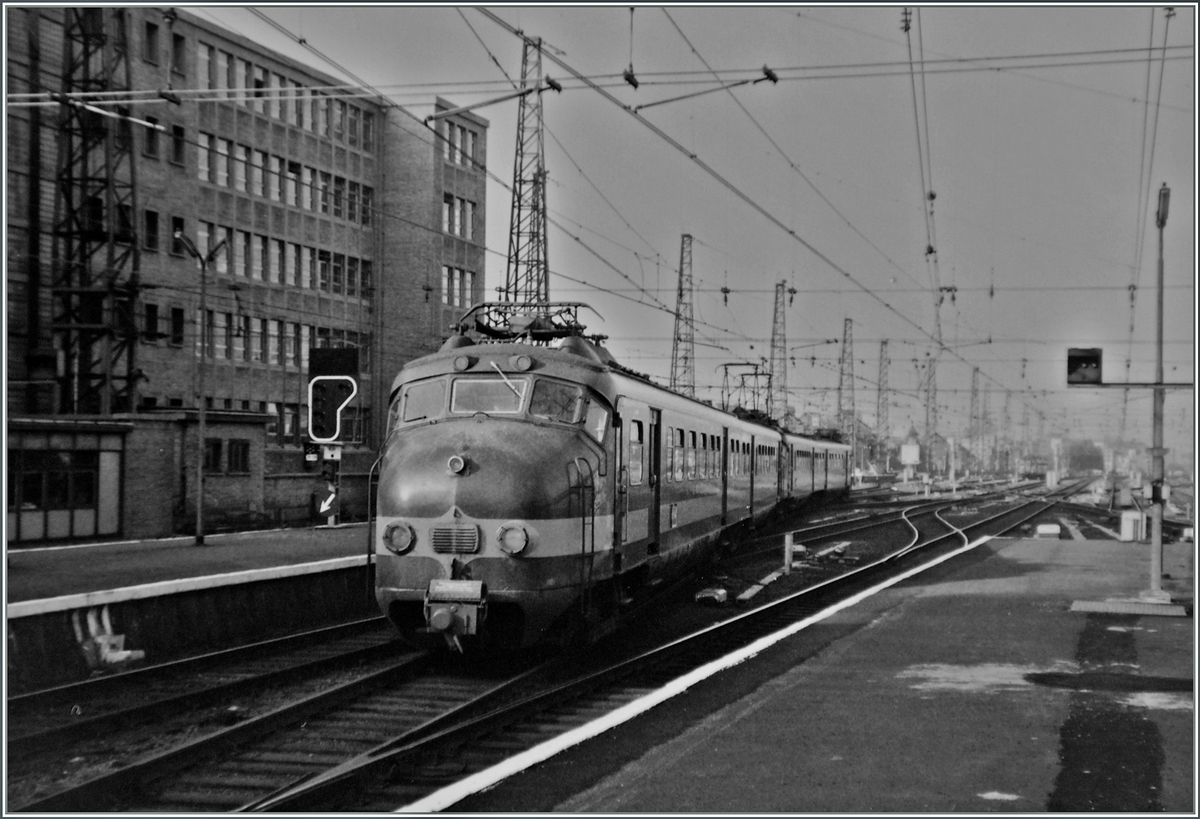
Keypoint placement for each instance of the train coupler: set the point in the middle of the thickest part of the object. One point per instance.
(455, 608)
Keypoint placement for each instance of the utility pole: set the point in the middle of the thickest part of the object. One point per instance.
(777, 399)
(683, 345)
(1158, 451)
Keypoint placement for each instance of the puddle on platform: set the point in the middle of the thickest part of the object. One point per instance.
(998, 796)
(983, 678)
(1160, 701)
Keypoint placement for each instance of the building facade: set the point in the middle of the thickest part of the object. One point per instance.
(326, 216)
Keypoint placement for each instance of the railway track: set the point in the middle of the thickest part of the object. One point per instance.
(400, 733)
(433, 772)
(55, 719)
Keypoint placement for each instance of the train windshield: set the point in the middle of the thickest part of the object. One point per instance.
(556, 401)
(424, 400)
(491, 395)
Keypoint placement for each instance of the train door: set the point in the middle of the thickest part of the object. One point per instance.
(724, 467)
(637, 480)
(654, 479)
(753, 469)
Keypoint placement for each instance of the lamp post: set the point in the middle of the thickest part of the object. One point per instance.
(204, 259)
(1156, 593)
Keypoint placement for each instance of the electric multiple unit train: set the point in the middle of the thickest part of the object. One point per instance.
(528, 493)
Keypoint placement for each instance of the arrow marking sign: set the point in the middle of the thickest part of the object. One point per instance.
(327, 504)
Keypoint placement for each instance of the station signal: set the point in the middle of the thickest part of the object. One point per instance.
(1084, 366)
(328, 395)
(332, 385)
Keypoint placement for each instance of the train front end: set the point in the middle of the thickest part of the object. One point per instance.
(494, 515)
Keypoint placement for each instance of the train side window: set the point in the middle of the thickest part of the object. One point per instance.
(679, 450)
(597, 420)
(423, 400)
(556, 401)
(636, 446)
(691, 455)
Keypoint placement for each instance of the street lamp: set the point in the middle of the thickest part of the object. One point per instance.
(204, 259)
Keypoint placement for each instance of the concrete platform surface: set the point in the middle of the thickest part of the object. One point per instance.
(37, 573)
(973, 688)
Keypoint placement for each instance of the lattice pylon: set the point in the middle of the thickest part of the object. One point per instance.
(683, 344)
(881, 400)
(777, 398)
(94, 259)
(527, 280)
(846, 415)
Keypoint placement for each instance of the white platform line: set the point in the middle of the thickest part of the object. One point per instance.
(448, 796)
(69, 602)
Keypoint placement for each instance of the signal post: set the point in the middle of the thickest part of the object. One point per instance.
(1085, 369)
(332, 385)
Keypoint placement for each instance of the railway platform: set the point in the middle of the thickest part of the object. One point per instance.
(983, 685)
(82, 609)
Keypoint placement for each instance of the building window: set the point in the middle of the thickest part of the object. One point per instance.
(368, 130)
(212, 454)
(280, 106)
(239, 456)
(326, 183)
(323, 270)
(448, 213)
(241, 158)
(206, 66)
(178, 53)
(353, 126)
(178, 144)
(177, 248)
(224, 149)
(203, 156)
(364, 279)
(150, 43)
(339, 269)
(177, 324)
(258, 174)
(150, 323)
(351, 276)
(339, 121)
(446, 285)
(150, 230)
(339, 195)
(152, 138)
(368, 202)
(293, 184)
(352, 202)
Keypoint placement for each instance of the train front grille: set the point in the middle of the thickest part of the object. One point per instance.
(459, 538)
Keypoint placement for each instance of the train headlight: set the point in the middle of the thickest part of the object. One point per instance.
(399, 538)
(513, 538)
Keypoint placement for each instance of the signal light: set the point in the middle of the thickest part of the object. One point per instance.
(1084, 366)
(328, 395)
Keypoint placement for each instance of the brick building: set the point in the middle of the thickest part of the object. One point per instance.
(337, 220)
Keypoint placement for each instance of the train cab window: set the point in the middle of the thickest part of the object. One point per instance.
(556, 401)
(424, 400)
(493, 395)
(597, 420)
(636, 447)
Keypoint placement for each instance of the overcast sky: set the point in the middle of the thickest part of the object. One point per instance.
(1037, 156)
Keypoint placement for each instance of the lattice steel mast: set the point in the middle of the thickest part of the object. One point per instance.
(846, 416)
(777, 398)
(95, 252)
(527, 281)
(683, 344)
(881, 402)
